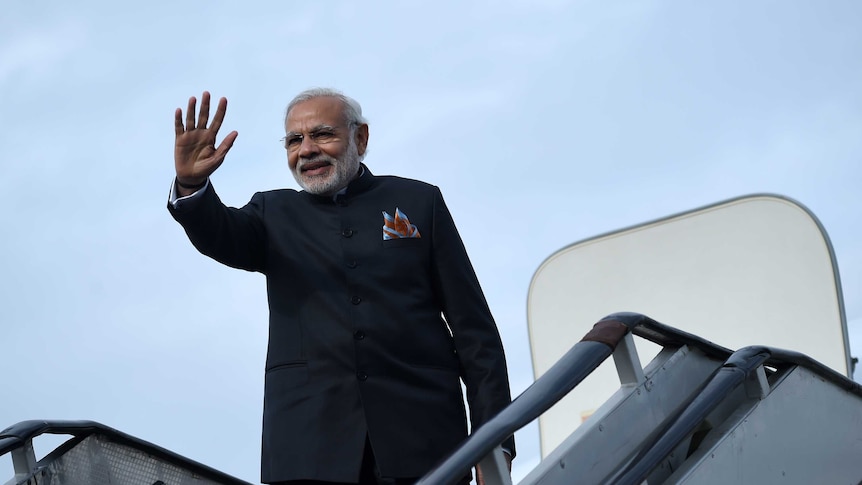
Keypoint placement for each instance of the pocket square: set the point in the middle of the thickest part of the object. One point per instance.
(398, 227)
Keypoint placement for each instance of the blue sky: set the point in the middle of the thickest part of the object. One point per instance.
(543, 122)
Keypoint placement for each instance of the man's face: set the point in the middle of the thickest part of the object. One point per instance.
(323, 152)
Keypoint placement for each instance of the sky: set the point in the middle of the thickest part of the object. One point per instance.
(543, 122)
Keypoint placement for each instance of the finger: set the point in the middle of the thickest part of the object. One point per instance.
(179, 129)
(225, 145)
(205, 110)
(218, 157)
(219, 115)
(190, 114)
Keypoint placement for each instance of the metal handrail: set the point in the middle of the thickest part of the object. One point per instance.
(733, 373)
(20, 435)
(582, 359)
(727, 378)
(559, 380)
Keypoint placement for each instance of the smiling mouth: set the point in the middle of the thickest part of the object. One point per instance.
(315, 168)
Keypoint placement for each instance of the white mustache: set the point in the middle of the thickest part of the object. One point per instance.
(319, 158)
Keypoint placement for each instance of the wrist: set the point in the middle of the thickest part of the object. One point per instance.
(191, 184)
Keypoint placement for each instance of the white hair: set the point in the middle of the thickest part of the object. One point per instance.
(352, 110)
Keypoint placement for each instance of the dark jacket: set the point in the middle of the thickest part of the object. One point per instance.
(358, 336)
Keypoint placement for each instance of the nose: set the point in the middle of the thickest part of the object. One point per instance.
(307, 147)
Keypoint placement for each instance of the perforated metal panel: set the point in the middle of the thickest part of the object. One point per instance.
(98, 461)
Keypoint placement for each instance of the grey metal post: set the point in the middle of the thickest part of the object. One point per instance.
(628, 363)
(23, 461)
(494, 469)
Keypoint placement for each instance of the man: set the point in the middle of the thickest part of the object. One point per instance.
(375, 311)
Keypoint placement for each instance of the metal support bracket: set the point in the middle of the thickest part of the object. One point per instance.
(756, 384)
(23, 461)
(494, 468)
(628, 363)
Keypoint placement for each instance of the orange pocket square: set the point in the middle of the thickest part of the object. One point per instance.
(398, 227)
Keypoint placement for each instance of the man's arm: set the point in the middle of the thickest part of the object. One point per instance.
(231, 236)
(174, 197)
(477, 340)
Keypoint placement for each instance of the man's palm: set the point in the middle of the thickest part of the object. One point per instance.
(195, 154)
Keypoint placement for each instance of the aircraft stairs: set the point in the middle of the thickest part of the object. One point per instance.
(697, 413)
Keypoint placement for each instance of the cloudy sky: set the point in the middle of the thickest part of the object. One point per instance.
(543, 122)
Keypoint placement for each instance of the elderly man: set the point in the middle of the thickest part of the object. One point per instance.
(375, 311)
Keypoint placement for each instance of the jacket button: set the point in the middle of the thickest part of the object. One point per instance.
(347, 232)
(356, 300)
(351, 264)
(359, 335)
(361, 376)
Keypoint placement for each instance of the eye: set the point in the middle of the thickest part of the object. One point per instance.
(322, 136)
(292, 141)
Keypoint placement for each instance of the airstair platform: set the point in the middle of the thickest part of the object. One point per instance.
(697, 413)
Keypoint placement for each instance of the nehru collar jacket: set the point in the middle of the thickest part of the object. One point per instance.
(368, 335)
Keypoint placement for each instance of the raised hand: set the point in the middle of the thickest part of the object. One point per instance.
(195, 154)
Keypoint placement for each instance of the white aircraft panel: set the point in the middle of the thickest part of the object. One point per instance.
(757, 270)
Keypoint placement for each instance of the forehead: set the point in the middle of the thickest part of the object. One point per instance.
(324, 110)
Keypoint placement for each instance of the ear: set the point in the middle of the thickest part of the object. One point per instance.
(361, 138)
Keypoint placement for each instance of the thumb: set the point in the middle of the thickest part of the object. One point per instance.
(225, 145)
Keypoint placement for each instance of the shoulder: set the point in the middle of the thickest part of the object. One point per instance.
(276, 195)
(273, 200)
(402, 183)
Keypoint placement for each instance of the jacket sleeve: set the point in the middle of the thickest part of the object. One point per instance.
(477, 340)
(231, 236)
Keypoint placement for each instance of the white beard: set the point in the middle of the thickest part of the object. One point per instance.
(342, 172)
